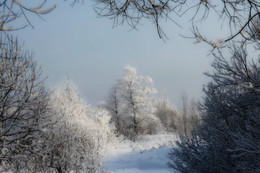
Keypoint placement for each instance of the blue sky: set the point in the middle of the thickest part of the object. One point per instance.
(73, 42)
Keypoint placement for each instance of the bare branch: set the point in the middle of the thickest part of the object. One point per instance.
(17, 9)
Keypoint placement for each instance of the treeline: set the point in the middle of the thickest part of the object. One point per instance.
(57, 131)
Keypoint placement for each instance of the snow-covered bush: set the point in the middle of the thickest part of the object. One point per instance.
(80, 133)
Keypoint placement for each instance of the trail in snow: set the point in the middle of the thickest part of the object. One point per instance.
(150, 161)
(147, 155)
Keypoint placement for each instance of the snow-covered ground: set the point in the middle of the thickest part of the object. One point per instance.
(147, 155)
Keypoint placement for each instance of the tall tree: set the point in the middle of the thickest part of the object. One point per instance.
(137, 103)
(132, 106)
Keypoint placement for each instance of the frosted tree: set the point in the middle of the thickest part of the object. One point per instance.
(137, 103)
(23, 110)
(168, 114)
(81, 133)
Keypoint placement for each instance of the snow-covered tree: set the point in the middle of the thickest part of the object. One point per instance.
(23, 103)
(132, 106)
(189, 116)
(228, 137)
(81, 133)
(168, 114)
(113, 105)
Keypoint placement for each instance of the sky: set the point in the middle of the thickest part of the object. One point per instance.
(75, 43)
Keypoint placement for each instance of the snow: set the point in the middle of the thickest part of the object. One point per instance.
(147, 155)
(153, 160)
